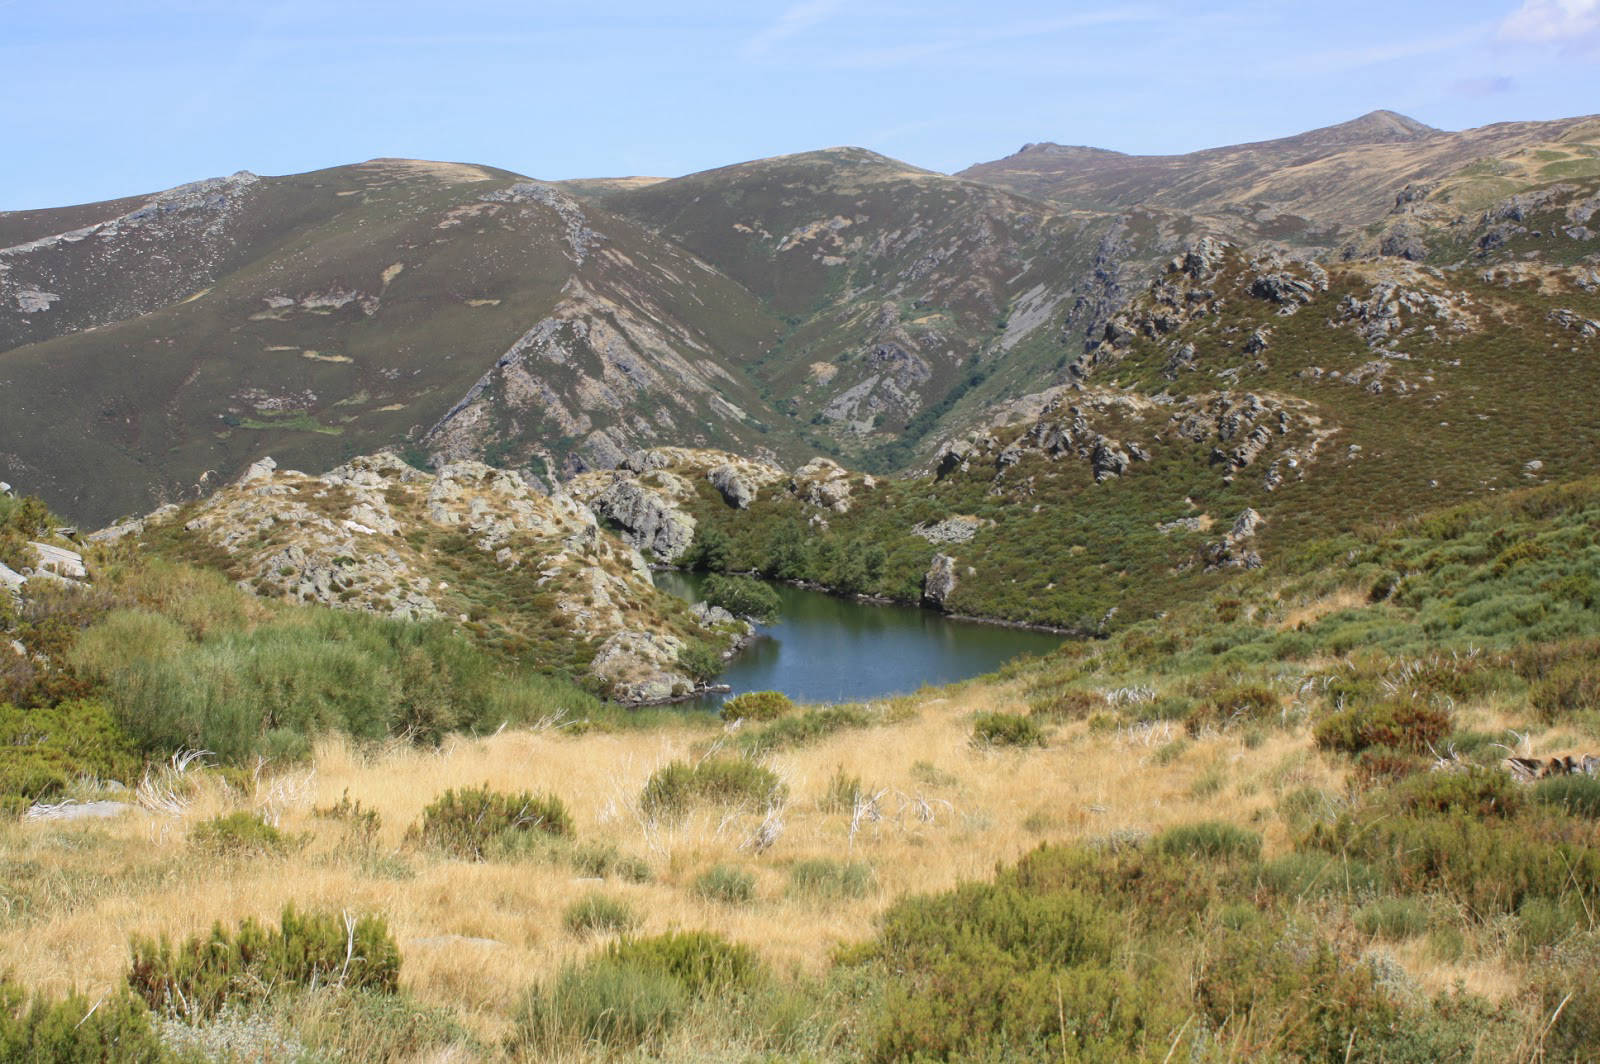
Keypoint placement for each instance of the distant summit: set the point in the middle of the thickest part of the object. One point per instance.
(1324, 178)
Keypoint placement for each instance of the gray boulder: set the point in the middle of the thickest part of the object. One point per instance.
(648, 521)
(939, 582)
(736, 488)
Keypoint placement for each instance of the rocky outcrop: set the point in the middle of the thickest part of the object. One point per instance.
(939, 582)
(737, 490)
(1567, 319)
(376, 534)
(951, 530)
(823, 483)
(1236, 549)
(645, 518)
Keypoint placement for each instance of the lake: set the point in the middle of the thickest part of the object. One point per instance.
(829, 649)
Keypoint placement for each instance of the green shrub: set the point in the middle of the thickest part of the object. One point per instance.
(842, 792)
(701, 661)
(1235, 705)
(991, 971)
(600, 913)
(615, 1005)
(1477, 792)
(1401, 724)
(742, 597)
(1210, 838)
(725, 885)
(701, 960)
(77, 1029)
(821, 879)
(43, 750)
(1544, 922)
(1067, 705)
(757, 705)
(1392, 918)
(476, 822)
(1006, 729)
(1312, 874)
(238, 834)
(197, 977)
(1578, 795)
(677, 787)
(802, 728)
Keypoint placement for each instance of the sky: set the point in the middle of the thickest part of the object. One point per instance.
(107, 98)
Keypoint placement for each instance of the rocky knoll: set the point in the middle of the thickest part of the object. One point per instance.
(471, 544)
(648, 498)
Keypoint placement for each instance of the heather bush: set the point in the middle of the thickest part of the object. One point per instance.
(477, 823)
(595, 912)
(725, 885)
(238, 834)
(1006, 729)
(678, 786)
(198, 976)
(77, 1029)
(757, 706)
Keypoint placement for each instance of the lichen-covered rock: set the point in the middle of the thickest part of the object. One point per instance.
(736, 489)
(638, 667)
(369, 535)
(957, 529)
(939, 582)
(825, 483)
(648, 520)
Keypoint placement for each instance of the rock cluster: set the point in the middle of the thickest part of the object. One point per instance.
(363, 537)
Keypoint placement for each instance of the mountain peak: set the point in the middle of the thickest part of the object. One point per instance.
(1374, 127)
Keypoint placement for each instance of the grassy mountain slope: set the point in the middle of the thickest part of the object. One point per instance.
(903, 291)
(1314, 187)
(324, 315)
(1240, 408)
(1272, 827)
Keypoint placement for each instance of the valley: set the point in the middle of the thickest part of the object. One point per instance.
(1160, 598)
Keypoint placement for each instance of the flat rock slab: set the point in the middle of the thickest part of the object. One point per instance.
(70, 810)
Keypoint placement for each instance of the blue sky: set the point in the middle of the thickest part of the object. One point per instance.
(114, 97)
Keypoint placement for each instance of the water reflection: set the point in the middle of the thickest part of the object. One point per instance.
(828, 649)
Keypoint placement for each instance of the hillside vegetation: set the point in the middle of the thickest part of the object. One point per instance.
(1323, 859)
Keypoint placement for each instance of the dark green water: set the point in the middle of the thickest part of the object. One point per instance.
(828, 649)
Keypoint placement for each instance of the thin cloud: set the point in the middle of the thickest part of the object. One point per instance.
(1496, 85)
(913, 51)
(1553, 21)
(795, 20)
(1355, 58)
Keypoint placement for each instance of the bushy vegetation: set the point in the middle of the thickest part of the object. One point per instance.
(633, 993)
(238, 834)
(196, 977)
(596, 912)
(742, 597)
(43, 750)
(757, 706)
(477, 823)
(725, 885)
(77, 1029)
(1006, 729)
(678, 786)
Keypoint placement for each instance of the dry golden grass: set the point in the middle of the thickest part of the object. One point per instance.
(473, 936)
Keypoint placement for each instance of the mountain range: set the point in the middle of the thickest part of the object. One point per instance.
(836, 302)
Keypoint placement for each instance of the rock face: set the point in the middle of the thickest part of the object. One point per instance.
(1235, 550)
(823, 483)
(648, 520)
(736, 488)
(376, 534)
(648, 495)
(939, 583)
